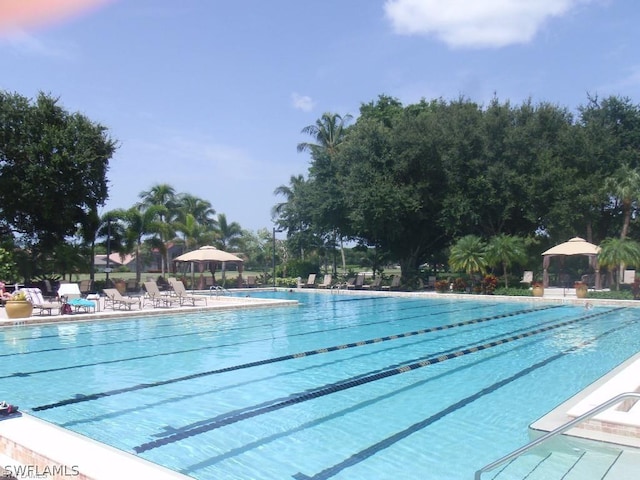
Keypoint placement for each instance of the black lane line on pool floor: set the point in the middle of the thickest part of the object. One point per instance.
(216, 346)
(84, 398)
(362, 455)
(198, 332)
(297, 371)
(202, 348)
(349, 383)
(263, 441)
(169, 430)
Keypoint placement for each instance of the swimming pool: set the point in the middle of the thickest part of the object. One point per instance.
(343, 386)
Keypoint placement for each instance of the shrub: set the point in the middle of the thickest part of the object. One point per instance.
(459, 285)
(442, 286)
(612, 295)
(489, 284)
(513, 291)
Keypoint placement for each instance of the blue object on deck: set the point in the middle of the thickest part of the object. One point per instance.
(81, 303)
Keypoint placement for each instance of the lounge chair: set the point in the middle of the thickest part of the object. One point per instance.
(86, 286)
(349, 283)
(114, 299)
(527, 277)
(395, 283)
(70, 293)
(48, 292)
(326, 282)
(251, 281)
(311, 281)
(357, 284)
(430, 284)
(183, 296)
(375, 285)
(156, 297)
(34, 295)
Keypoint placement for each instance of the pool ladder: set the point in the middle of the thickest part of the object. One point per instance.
(558, 431)
(218, 291)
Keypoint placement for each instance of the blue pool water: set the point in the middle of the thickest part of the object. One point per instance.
(342, 386)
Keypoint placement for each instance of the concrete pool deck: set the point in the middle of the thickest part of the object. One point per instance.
(37, 449)
(101, 313)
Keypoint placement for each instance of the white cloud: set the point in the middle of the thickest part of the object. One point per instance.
(302, 102)
(475, 23)
(26, 44)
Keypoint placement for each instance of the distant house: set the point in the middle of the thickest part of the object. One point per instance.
(115, 261)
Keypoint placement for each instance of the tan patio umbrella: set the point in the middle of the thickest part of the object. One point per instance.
(574, 246)
(207, 254)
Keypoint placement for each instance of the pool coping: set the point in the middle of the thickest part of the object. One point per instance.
(35, 448)
(610, 426)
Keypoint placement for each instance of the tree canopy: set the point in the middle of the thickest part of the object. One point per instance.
(53, 167)
(412, 180)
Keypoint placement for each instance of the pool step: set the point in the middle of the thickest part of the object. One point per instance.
(578, 465)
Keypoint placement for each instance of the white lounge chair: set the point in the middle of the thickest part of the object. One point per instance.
(183, 296)
(527, 277)
(157, 297)
(326, 282)
(114, 299)
(34, 295)
(311, 281)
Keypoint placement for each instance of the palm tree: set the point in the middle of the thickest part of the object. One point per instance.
(505, 250)
(195, 235)
(164, 195)
(229, 234)
(618, 251)
(200, 209)
(138, 224)
(468, 255)
(328, 132)
(287, 214)
(625, 186)
(89, 231)
(195, 220)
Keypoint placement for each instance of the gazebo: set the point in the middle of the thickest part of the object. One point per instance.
(575, 246)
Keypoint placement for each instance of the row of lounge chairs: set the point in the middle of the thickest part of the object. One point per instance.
(358, 283)
(70, 298)
(176, 296)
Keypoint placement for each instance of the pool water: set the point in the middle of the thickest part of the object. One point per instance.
(342, 386)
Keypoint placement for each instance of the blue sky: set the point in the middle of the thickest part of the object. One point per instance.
(211, 96)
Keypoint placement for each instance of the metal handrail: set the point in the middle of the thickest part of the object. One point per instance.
(563, 428)
(219, 290)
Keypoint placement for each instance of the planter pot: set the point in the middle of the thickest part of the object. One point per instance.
(18, 308)
(581, 291)
(121, 286)
(538, 291)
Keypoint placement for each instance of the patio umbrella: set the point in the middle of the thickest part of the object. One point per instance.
(205, 255)
(574, 246)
